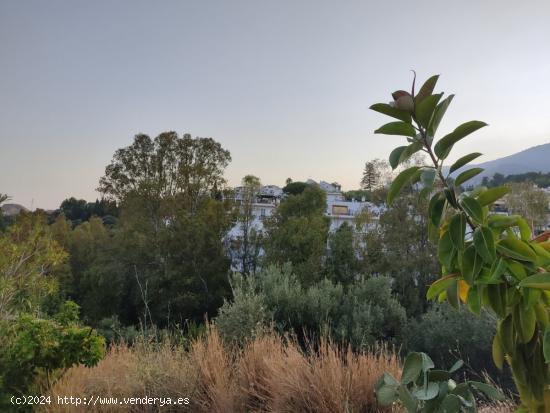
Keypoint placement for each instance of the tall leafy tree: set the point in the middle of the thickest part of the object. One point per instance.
(529, 201)
(247, 247)
(297, 233)
(398, 245)
(342, 263)
(166, 166)
(172, 222)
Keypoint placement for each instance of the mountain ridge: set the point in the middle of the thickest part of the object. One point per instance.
(533, 159)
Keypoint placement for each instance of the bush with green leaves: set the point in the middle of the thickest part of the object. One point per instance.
(34, 349)
(246, 315)
(487, 260)
(447, 333)
(360, 314)
(425, 389)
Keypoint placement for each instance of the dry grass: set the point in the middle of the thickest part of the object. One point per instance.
(144, 370)
(269, 374)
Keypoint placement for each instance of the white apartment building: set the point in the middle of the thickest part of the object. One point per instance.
(338, 210)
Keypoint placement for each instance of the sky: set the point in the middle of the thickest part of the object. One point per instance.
(284, 85)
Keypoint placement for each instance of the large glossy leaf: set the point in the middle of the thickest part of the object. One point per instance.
(463, 161)
(451, 197)
(474, 299)
(540, 281)
(430, 392)
(409, 151)
(524, 229)
(525, 322)
(484, 244)
(445, 144)
(463, 289)
(452, 294)
(472, 208)
(427, 362)
(391, 111)
(426, 89)
(546, 345)
(411, 368)
(446, 250)
(425, 109)
(400, 181)
(491, 195)
(395, 156)
(457, 229)
(455, 367)
(439, 112)
(497, 352)
(397, 128)
(435, 208)
(407, 399)
(386, 394)
(451, 403)
(506, 334)
(502, 221)
(467, 175)
(496, 297)
(471, 264)
(516, 249)
(497, 269)
(439, 286)
(488, 390)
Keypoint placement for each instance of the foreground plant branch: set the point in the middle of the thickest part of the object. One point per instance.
(495, 267)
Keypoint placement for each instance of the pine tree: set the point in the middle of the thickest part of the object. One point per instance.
(371, 177)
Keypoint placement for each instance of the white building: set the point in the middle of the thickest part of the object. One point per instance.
(338, 209)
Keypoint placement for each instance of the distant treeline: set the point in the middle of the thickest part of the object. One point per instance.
(542, 180)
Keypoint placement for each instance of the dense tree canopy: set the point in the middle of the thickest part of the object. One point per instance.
(297, 233)
(165, 167)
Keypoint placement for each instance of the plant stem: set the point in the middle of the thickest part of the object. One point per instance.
(440, 173)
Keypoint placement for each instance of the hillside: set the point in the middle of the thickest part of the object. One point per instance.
(12, 209)
(535, 159)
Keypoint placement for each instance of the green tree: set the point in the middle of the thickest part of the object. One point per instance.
(371, 177)
(165, 167)
(29, 257)
(246, 249)
(527, 200)
(168, 240)
(294, 188)
(487, 260)
(297, 233)
(33, 345)
(397, 245)
(342, 263)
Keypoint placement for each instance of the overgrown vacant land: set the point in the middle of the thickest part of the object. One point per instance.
(318, 300)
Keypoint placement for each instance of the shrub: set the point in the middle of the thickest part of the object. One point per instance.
(34, 349)
(443, 332)
(246, 315)
(360, 314)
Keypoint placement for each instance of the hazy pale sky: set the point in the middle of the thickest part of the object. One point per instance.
(284, 85)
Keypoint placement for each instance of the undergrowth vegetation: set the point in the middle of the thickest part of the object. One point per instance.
(271, 373)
